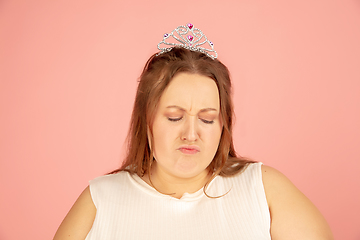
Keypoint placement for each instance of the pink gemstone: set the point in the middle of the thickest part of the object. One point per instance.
(190, 37)
(190, 26)
(190, 44)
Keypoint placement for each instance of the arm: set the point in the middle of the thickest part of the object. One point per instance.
(293, 216)
(79, 220)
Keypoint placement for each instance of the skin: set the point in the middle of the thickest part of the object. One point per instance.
(293, 215)
(79, 220)
(183, 117)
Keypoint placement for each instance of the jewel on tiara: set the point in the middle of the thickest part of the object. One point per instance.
(187, 37)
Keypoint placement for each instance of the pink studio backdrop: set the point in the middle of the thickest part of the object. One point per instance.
(68, 75)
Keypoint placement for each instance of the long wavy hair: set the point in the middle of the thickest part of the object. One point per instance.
(156, 76)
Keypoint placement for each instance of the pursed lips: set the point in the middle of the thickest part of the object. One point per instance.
(189, 149)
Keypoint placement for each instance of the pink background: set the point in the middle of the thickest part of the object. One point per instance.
(68, 75)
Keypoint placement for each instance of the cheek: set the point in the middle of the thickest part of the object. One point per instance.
(213, 136)
(161, 132)
(164, 137)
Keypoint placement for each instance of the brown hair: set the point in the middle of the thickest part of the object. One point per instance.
(156, 76)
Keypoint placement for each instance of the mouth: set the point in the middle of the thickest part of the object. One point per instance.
(189, 149)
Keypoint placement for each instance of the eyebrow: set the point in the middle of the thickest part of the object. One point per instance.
(182, 109)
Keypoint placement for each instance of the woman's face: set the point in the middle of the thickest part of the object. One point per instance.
(187, 126)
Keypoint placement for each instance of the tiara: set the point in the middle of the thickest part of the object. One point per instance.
(187, 37)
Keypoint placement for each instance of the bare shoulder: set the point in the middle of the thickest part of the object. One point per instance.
(293, 215)
(79, 220)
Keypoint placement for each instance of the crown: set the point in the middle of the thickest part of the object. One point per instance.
(187, 37)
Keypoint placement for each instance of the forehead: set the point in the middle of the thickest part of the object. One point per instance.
(191, 92)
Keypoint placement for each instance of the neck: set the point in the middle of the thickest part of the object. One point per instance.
(174, 186)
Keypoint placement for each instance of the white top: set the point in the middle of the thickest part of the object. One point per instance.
(128, 208)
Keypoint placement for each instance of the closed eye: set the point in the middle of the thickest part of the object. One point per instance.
(174, 119)
(207, 121)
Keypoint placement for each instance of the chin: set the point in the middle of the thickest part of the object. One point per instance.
(188, 171)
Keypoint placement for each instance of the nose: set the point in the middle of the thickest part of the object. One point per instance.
(190, 129)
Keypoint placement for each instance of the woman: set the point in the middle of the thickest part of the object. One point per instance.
(181, 178)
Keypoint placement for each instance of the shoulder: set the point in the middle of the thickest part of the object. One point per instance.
(110, 178)
(109, 182)
(278, 187)
(108, 186)
(249, 174)
(293, 216)
(274, 181)
(79, 220)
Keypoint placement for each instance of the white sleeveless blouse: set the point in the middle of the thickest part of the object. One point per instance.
(128, 208)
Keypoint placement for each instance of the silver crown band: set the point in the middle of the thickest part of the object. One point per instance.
(195, 41)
